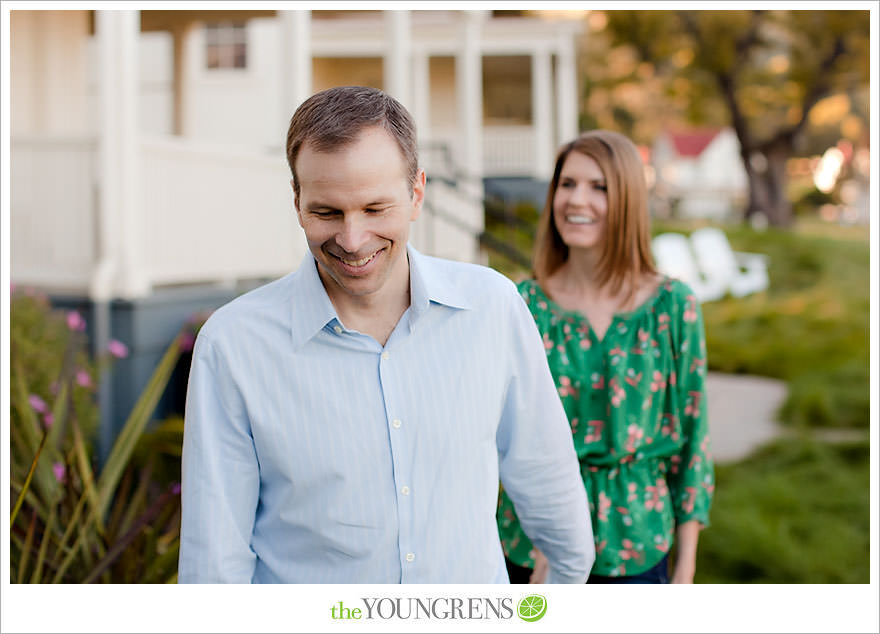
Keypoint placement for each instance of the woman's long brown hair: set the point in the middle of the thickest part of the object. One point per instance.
(626, 250)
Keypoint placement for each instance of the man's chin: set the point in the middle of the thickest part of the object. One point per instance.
(356, 286)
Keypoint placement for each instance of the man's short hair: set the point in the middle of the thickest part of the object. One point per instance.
(333, 118)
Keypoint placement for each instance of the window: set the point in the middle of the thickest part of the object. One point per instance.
(226, 45)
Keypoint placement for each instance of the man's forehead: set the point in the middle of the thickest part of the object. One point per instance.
(340, 143)
(371, 155)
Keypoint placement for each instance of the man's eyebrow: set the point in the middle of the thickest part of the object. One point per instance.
(378, 202)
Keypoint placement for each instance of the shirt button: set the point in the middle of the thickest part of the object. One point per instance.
(410, 557)
(385, 356)
(396, 423)
(338, 329)
(405, 490)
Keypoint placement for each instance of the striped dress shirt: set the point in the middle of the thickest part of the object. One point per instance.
(313, 454)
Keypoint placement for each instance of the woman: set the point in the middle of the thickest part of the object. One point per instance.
(627, 351)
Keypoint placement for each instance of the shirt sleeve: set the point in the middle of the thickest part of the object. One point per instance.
(537, 462)
(220, 476)
(692, 474)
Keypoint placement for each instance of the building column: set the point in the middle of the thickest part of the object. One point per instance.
(120, 271)
(566, 90)
(469, 95)
(296, 62)
(421, 92)
(397, 66)
(542, 123)
(182, 88)
(122, 267)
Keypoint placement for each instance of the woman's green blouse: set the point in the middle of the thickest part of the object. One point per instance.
(636, 405)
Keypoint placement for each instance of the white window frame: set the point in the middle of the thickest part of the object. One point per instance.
(226, 46)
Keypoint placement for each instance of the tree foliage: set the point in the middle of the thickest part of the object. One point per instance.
(761, 72)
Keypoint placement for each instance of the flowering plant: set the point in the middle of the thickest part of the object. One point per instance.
(72, 521)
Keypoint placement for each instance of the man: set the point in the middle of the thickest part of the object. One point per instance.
(348, 423)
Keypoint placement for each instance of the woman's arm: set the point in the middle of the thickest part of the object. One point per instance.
(686, 536)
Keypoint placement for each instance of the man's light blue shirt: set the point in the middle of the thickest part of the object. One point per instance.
(313, 454)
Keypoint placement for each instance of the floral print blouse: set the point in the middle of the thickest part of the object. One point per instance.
(636, 405)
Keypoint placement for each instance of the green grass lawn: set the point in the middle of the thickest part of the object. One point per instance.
(795, 512)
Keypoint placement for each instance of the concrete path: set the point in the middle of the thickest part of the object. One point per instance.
(742, 413)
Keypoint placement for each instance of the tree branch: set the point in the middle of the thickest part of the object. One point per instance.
(820, 89)
(726, 78)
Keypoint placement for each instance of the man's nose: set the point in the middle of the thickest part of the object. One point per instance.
(353, 235)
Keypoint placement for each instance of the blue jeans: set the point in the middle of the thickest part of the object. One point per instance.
(657, 574)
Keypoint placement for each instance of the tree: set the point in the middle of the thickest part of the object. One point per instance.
(761, 72)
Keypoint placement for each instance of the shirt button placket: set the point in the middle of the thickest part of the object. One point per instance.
(404, 491)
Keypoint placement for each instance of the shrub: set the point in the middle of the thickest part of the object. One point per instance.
(72, 522)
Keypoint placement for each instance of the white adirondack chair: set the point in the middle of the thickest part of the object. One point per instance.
(674, 257)
(738, 272)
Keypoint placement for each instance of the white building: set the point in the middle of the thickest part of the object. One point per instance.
(700, 172)
(147, 163)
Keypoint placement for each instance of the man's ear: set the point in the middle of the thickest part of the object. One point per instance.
(418, 195)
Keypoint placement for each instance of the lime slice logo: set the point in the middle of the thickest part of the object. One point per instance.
(532, 608)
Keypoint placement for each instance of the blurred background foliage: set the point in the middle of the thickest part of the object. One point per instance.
(790, 83)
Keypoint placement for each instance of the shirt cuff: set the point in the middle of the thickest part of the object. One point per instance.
(555, 577)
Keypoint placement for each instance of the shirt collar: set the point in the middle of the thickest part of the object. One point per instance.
(311, 308)
(429, 282)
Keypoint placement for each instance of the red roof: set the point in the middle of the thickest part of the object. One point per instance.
(693, 142)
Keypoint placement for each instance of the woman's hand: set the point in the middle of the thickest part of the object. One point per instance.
(542, 567)
(683, 572)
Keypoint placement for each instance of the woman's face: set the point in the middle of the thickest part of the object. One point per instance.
(580, 204)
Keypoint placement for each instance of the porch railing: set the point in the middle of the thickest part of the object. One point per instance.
(53, 205)
(205, 214)
(216, 215)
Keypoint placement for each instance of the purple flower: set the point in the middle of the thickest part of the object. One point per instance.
(175, 488)
(187, 340)
(117, 349)
(75, 321)
(48, 419)
(60, 471)
(38, 404)
(83, 378)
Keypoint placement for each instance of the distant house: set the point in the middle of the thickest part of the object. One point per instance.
(148, 176)
(698, 173)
